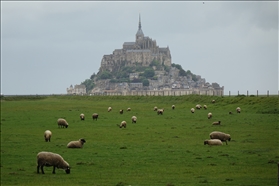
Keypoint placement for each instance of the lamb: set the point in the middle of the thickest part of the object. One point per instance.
(160, 111)
(129, 109)
(82, 117)
(173, 107)
(216, 123)
(95, 116)
(121, 111)
(213, 142)
(238, 110)
(209, 115)
(134, 119)
(62, 123)
(213, 101)
(122, 124)
(51, 159)
(205, 107)
(155, 108)
(47, 135)
(220, 135)
(109, 109)
(192, 110)
(76, 144)
(198, 106)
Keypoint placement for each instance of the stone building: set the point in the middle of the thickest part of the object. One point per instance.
(77, 90)
(141, 52)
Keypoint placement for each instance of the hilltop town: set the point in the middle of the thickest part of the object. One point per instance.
(143, 68)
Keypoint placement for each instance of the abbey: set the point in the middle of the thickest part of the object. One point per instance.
(141, 52)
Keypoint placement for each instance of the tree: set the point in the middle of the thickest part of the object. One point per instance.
(105, 75)
(148, 73)
(89, 84)
(145, 82)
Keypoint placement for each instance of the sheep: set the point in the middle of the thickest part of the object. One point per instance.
(220, 135)
(76, 144)
(238, 110)
(213, 142)
(160, 111)
(205, 107)
(155, 108)
(82, 117)
(173, 107)
(47, 135)
(209, 115)
(230, 112)
(95, 116)
(198, 106)
(213, 101)
(109, 109)
(121, 111)
(122, 124)
(51, 159)
(134, 119)
(216, 123)
(62, 123)
(129, 109)
(192, 110)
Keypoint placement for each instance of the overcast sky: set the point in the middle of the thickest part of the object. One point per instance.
(48, 46)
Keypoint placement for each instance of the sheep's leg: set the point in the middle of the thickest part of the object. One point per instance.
(38, 169)
(226, 142)
(53, 172)
(42, 169)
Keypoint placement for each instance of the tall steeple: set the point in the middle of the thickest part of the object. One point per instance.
(139, 34)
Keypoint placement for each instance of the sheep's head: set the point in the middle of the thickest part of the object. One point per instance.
(82, 140)
(205, 142)
(67, 170)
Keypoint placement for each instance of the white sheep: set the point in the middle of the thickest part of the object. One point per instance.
(198, 106)
(82, 117)
(192, 110)
(213, 142)
(220, 135)
(238, 110)
(51, 159)
(62, 123)
(173, 107)
(122, 124)
(205, 107)
(129, 109)
(76, 144)
(134, 119)
(109, 109)
(155, 108)
(121, 111)
(160, 111)
(47, 135)
(95, 116)
(209, 115)
(216, 123)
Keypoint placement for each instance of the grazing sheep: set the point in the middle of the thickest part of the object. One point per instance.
(128, 109)
(155, 108)
(51, 159)
(76, 144)
(213, 101)
(95, 116)
(47, 135)
(122, 124)
(238, 110)
(109, 109)
(216, 123)
(213, 142)
(121, 111)
(173, 107)
(82, 117)
(230, 112)
(62, 123)
(192, 110)
(220, 135)
(198, 106)
(205, 107)
(134, 119)
(160, 111)
(209, 115)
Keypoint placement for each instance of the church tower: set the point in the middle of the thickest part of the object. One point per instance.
(139, 35)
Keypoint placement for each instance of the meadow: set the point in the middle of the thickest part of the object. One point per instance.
(159, 150)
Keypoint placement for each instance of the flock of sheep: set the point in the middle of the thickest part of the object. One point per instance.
(57, 161)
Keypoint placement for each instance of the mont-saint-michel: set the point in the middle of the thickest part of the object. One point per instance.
(141, 67)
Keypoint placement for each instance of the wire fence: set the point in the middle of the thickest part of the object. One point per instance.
(252, 93)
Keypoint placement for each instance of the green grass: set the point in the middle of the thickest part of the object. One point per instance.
(159, 150)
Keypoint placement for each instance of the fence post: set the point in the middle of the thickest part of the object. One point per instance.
(268, 93)
(238, 92)
(257, 93)
(247, 93)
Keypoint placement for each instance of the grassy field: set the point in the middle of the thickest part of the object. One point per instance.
(165, 150)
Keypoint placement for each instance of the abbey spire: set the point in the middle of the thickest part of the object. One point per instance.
(139, 34)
